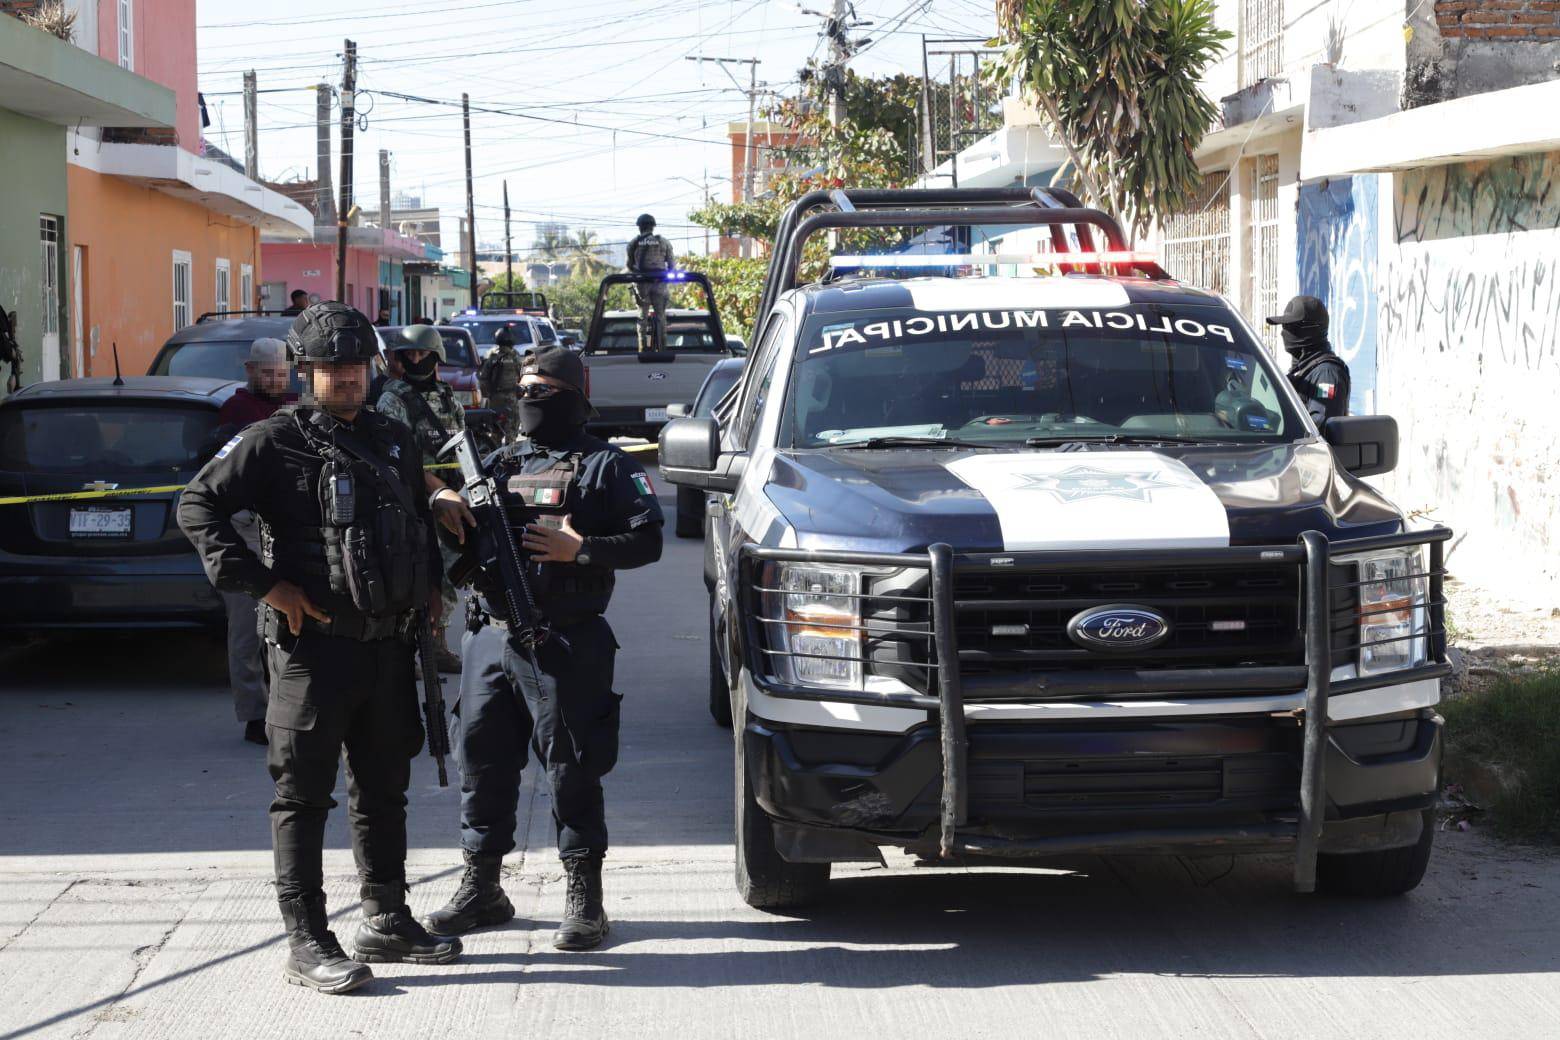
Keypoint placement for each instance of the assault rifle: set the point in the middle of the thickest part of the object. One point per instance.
(496, 552)
(433, 696)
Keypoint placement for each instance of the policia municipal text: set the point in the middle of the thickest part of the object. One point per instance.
(347, 558)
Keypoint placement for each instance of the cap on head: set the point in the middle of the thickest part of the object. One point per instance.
(417, 337)
(267, 351)
(1305, 311)
(646, 222)
(332, 332)
(556, 361)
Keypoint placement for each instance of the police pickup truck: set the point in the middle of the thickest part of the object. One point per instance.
(630, 388)
(1004, 568)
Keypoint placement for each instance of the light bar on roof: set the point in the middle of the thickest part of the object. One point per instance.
(1112, 256)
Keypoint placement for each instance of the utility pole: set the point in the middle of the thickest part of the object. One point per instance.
(750, 151)
(344, 208)
(839, 54)
(384, 188)
(471, 209)
(509, 249)
(251, 128)
(324, 205)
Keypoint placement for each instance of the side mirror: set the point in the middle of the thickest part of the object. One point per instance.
(690, 456)
(679, 411)
(1365, 445)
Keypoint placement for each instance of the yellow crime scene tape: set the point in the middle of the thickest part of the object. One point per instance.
(163, 489)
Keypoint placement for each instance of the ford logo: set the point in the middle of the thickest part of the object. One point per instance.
(1118, 627)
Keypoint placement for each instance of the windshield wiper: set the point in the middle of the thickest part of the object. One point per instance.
(1119, 438)
(908, 442)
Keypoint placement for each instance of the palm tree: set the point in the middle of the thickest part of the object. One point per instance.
(585, 255)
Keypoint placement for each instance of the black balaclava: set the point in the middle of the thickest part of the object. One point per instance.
(1302, 339)
(553, 420)
(423, 372)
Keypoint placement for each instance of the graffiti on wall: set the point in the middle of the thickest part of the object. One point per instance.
(1336, 255)
(1442, 292)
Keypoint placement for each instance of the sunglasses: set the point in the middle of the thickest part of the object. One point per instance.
(540, 391)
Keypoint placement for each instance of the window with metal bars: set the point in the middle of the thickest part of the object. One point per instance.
(1261, 40)
(1262, 248)
(1196, 239)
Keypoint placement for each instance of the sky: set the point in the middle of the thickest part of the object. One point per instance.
(590, 109)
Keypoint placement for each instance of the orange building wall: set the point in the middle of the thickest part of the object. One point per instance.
(130, 233)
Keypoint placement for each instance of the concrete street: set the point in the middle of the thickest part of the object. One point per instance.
(135, 897)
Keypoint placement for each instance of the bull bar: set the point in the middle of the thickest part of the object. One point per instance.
(947, 692)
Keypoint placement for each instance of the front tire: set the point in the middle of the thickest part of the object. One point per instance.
(1377, 875)
(765, 880)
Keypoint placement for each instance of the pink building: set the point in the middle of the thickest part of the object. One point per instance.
(375, 277)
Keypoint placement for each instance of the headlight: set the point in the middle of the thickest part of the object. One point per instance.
(814, 624)
(1392, 611)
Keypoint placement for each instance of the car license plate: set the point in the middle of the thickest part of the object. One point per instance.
(100, 523)
(655, 415)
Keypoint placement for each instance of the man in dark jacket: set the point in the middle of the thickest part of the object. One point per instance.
(581, 510)
(1319, 376)
(347, 557)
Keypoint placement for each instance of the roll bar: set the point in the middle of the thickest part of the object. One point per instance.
(911, 207)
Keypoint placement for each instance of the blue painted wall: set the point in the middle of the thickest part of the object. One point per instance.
(1336, 254)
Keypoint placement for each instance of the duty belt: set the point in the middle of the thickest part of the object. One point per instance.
(364, 628)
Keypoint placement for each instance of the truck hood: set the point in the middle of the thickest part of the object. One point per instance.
(902, 500)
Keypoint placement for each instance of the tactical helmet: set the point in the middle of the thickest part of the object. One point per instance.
(417, 337)
(332, 332)
(646, 222)
(503, 337)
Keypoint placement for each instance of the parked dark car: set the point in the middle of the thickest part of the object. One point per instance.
(116, 562)
(690, 501)
(216, 347)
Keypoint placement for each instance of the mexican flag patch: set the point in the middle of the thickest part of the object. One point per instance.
(642, 482)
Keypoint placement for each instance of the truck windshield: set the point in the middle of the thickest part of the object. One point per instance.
(484, 331)
(621, 336)
(1128, 373)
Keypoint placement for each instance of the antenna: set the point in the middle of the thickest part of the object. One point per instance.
(119, 380)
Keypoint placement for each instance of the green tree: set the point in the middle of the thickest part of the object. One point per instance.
(1117, 82)
(584, 255)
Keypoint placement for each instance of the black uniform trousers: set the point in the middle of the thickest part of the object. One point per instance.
(327, 693)
(564, 710)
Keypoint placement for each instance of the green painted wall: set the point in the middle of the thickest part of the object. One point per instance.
(34, 185)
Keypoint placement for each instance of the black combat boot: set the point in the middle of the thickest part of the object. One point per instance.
(479, 902)
(584, 918)
(390, 934)
(314, 957)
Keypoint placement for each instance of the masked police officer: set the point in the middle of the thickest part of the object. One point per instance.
(650, 254)
(346, 555)
(1319, 376)
(594, 513)
(422, 401)
(499, 377)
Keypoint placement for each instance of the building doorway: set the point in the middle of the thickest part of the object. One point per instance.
(49, 279)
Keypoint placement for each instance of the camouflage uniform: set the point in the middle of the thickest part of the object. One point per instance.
(651, 254)
(431, 426)
(499, 376)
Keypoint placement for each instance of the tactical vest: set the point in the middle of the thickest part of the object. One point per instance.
(565, 592)
(500, 374)
(653, 253)
(436, 417)
(371, 548)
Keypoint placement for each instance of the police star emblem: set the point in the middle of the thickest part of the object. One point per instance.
(1084, 482)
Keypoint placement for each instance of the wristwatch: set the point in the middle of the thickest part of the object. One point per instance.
(583, 556)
